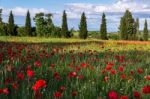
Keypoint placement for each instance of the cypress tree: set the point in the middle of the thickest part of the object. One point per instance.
(128, 26)
(137, 25)
(145, 31)
(28, 24)
(103, 28)
(65, 32)
(123, 29)
(1, 16)
(11, 25)
(83, 33)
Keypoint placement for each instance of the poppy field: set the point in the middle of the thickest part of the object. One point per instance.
(75, 70)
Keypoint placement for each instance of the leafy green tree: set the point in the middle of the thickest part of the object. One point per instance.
(103, 29)
(65, 32)
(145, 31)
(83, 32)
(56, 32)
(128, 27)
(28, 25)
(21, 31)
(50, 25)
(11, 25)
(40, 24)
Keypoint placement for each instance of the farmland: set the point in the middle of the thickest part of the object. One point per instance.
(58, 68)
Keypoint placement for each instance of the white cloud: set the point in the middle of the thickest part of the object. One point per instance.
(119, 6)
(20, 11)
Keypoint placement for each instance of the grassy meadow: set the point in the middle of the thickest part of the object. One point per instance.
(59, 68)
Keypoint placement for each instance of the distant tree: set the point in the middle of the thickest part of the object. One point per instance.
(137, 25)
(21, 31)
(56, 32)
(28, 25)
(128, 27)
(1, 16)
(65, 32)
(123, 29)
(103, 29)
(83, 32)
(40, 24)
(1, 24)
(145, 31)
(50, 25)
(11, 25)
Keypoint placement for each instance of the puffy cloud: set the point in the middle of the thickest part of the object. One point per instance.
(21, 11)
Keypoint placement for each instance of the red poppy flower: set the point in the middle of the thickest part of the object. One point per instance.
(37, 63)
(78, 68)
(146, 89)
(30, 73)
(14, 85)
(20, 76)
(132, 72)
(136, 94)
(112, 95)
(83, 65)
(72, 74)
(37, 94)
(62, 88)
(121, 68)
(57, 76)
(106, 78)
(124, 97)
(1, 91)
(147, 77)
(74, 93)
(52, 65)
(113, 71)
(39, 84)
(6, 91)
(108, 67)
(80, 76)
(140, 71)
(123, 76)
(57, 94)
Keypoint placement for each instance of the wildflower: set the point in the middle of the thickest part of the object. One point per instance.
(112, 95)
(37, 63)
(14, 85)
(57, 76)
(6, 91)
(74, 93)
(20, 76)
(30, 73)
(106, 78)
(121, 69)
(113, 71)
(124, 97)
(146, 89)
(80, 77)
(136, 94)
(62, 88)
(39, 84)
(83, 65)
(140, 71)
(147, 77)
(123, 76)
(57, 94)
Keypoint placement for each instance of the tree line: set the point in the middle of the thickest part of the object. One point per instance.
(44, 27)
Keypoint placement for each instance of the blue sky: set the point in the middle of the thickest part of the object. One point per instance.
(114, 9)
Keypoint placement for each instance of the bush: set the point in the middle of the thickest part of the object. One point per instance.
(21, 31)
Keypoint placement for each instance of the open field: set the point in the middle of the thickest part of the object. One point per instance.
(58, 68)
